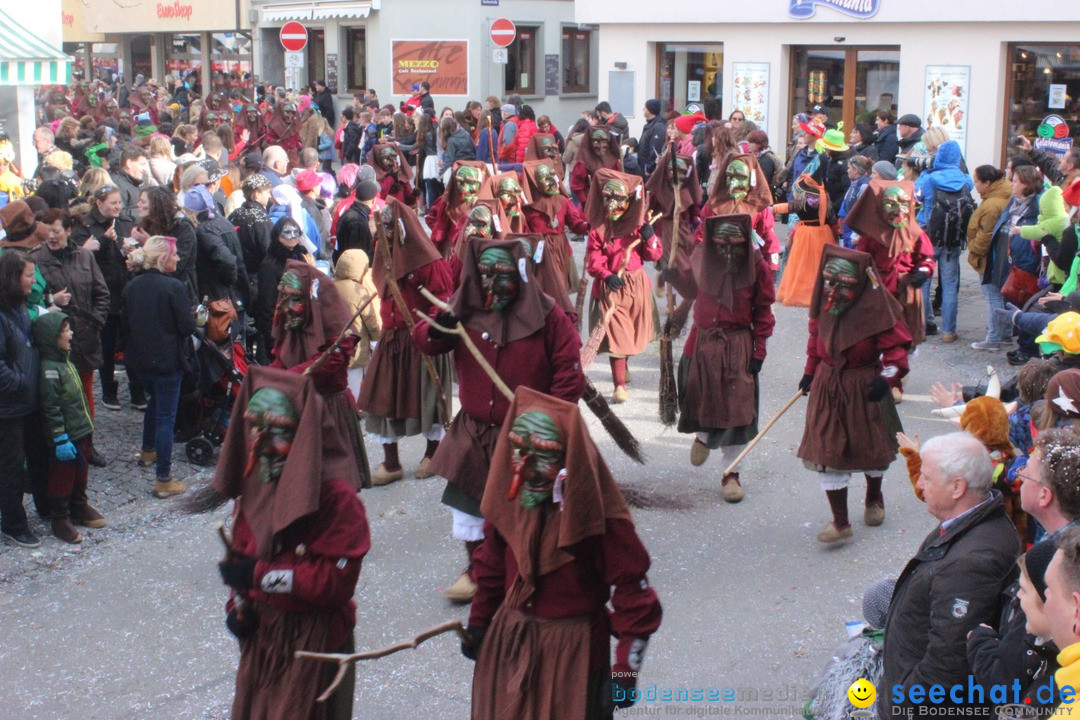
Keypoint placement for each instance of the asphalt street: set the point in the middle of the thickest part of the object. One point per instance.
(130, 625)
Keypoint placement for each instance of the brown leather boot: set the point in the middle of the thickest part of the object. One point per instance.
(87, 516)
(63, 529)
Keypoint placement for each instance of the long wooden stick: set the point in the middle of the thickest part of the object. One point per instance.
(344, 661)
(750, 446)
(403, 310)
(461, 332)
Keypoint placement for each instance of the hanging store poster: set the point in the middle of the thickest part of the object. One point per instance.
(751, 88)
(946, 100)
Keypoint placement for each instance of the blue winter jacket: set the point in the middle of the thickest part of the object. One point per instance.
(854, 192)
(945, 175)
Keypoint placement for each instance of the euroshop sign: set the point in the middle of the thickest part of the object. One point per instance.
(862, 9)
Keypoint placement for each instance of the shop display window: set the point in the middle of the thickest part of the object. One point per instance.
(689, 74)
(1043, 95)
(576, 65)
(520, 68)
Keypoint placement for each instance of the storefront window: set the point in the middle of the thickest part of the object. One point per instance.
(575, 60)
(356, 58)
(183, 54)
(847, 84)
(1044, 81)
(316, 55)
(689, 74)
(521, 62)
(231, 61)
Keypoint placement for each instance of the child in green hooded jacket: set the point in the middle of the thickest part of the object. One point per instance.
(68, 426)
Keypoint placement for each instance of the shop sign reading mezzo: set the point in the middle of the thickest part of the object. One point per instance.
(803, 9)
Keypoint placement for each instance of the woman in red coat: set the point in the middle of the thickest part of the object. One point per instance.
(857, 350)
(619, 245)
(527, 339)
(559, 545)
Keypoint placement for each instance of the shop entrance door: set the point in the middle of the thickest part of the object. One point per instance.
(316, 56)
(849, 84)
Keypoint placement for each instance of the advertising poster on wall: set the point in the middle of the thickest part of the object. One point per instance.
(751, 85)
(443, 64)
(946, 100)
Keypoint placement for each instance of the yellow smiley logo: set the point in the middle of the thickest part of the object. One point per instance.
(862, 693)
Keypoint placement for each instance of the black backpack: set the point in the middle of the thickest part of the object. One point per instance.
(949, 217)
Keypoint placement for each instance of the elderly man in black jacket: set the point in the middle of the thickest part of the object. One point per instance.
(953, 583)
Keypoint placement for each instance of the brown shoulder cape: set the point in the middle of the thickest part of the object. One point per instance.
(327, 316)
(404, 170)
(592, 163)
(410, 246)
(661, 190)
(456, 207)
(532, 151)
(549, 205)
(320, 452)
(865, 218)
(634, 216)
(709, 275)
(874, 311)
(757, 199)
(541, 538)
(527, 314)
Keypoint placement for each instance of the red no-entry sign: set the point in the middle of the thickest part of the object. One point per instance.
(503, 32)
(293, 36)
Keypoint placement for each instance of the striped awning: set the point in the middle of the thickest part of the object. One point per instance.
(316, 10)
(26, 59)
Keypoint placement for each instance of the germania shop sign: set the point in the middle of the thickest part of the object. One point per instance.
(803, 9)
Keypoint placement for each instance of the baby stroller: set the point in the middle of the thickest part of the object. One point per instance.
(222, 365)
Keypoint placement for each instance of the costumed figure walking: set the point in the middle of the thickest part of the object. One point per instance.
(660, 186)
(600, 152)
(444, 216)
(299, 535)
(559, 545)
(402, 394)
(550, 213)
(544, 146)
(309, 318)
(732, 289)
(857, 350)
(884, 218)
(393, 173)
(283, 130)
(815, 229)
(527, 339)
(484, 220)
(619, 244)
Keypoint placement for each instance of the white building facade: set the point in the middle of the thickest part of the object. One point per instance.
(985, 71)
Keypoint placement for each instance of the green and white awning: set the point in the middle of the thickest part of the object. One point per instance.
(26, 59)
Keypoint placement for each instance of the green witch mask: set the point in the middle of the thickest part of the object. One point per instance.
(272, 420)
(539, 455)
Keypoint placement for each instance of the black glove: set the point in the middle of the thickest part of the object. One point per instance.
(661, 264)
(877, 389)
(646, 232)
(755, 366)
(448, 320)
(395, 186)
(238, 572)
(804, 384)
(242, 622)
(669, 275)
(918, 278)
(477, 635)
(614, 283)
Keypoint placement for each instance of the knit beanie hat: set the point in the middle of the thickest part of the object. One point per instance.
(1036, 560)
(653, 106)
(885, 169)
(686, 123)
